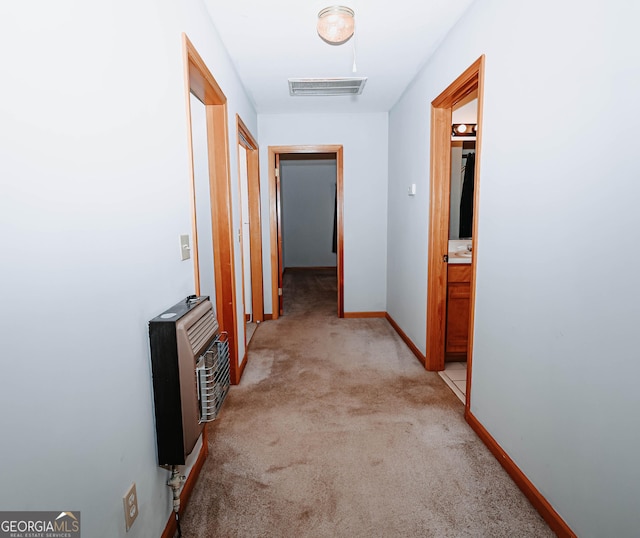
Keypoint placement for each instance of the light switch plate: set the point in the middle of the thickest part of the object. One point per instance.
(185, 248)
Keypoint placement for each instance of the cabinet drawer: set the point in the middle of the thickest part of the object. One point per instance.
(457, 272)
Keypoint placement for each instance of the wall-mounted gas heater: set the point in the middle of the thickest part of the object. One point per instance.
(190, 364)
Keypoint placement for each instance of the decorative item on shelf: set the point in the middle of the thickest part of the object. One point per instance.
(336, 24)
(464, 129)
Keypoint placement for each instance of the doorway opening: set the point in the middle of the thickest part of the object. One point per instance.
(250, 233)
(449, 285)
(288, 154)
(211, 218)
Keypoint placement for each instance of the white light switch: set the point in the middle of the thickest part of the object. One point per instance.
(412, 189)
(185, 248)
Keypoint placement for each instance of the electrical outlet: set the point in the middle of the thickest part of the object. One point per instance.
(130, 501)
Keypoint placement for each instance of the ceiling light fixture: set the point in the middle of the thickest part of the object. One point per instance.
(336, 24)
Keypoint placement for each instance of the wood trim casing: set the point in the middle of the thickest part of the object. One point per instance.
(459, 89)
(358, 315)
(438, 236)
(544, 508)
(467, 83)
(202, 84)
(243, 364)
(254, 217)
(309, 268)
(273, 235)
(223, 239)
(255, 224)
(171, 526)
(274, 153)
(414, 349)
(340, 225)
(280, 308)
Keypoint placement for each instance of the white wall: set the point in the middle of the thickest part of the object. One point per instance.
(94, 172)
(308, 194)
(202, 194)
(555, 367)
(468, 113)
(365, 141)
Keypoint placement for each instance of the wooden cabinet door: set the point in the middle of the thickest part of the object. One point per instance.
(458, 292)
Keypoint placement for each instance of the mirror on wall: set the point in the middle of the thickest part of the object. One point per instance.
(462, 185)
(463, 153)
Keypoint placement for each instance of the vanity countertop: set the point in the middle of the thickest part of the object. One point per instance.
(459, 251)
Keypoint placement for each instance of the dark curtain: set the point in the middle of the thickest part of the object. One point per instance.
(466, 200)
(335, 224)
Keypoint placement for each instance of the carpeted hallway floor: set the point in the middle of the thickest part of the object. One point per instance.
(336, 430)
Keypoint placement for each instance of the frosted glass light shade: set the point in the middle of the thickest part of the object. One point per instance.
(336, 24)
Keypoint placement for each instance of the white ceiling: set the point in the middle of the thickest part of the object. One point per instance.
(270, 41)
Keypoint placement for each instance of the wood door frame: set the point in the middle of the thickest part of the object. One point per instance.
(280, 256)
(248, 142)
(440, 171)
(274, 216)
(200, 82)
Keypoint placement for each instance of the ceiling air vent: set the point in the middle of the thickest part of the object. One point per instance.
(327, 86)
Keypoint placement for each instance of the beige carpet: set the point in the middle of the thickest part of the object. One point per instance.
(336, 430)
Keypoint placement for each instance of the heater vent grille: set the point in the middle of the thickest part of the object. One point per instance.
(327, 86)
(213, 378)
(202, 330)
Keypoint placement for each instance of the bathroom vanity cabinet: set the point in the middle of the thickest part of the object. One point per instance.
(458, 295)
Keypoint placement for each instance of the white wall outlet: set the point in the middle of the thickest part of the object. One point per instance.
(130, 501)
(185, 248)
